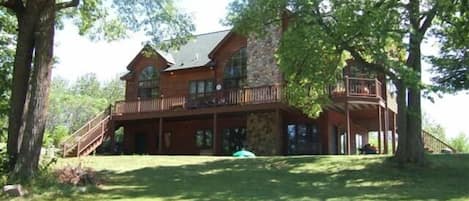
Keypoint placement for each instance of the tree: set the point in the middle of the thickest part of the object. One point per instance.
(87, 84)
(381, 36)
(113, 90)
(73, 104)
(460, 143)
(34, 51)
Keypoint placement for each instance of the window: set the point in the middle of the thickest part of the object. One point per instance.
(148, 82)
(235, 70)
(303, 139)
(204, 138)
(233, 139)
(200, 88)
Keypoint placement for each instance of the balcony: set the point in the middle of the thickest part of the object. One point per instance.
(357, 87)
(245, 96)
(361, 90)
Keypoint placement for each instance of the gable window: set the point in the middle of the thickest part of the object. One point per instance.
(204, 138)
(148, 82)
(200, 88)
(235, 70)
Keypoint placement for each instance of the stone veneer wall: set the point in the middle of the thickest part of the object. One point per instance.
(262, 134)
(262, 68)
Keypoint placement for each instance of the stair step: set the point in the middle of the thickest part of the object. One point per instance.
(93, 136)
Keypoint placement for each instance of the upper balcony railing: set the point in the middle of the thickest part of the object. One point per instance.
(350, 87)
(255, 95)
(357, 87)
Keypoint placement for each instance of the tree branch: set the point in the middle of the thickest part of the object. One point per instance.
(428, 19)
(358, 58)
(68, 4)
(14, 5)
(355, 54)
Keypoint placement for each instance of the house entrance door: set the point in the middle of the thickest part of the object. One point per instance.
(335, 140)
(140, 143)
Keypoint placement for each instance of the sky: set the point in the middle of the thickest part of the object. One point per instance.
(78, 55)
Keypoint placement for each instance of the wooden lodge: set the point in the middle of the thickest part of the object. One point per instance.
(222, 92)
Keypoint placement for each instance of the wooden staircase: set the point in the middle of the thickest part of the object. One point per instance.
(86, 139)
(434, 145)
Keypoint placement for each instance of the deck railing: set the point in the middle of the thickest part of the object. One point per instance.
(255, 95)
(357, 87)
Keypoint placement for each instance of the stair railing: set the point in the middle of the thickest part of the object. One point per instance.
(72, 141)
(435, 144)
(97, 132)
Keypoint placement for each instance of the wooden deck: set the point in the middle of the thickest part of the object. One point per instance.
(239, 100)
(360, 94)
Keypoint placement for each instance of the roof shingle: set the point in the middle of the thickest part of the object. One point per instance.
(195, 52)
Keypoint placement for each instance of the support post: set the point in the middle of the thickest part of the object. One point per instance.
(160, 137)
(347, 91)
(278, 121)
(386, 129)
(215, 134)
(112, 136)
(394, 127)
(348, 129)
(379, 129)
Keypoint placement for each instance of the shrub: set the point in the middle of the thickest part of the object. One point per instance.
(78, 176)
(3, 167)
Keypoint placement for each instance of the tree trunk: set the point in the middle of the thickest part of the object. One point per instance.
(414, 114)
(21, 73)
(401, 151)
(411, 150)
(28, 159)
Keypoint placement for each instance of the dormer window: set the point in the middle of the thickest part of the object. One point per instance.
(235, 70)
(148, 83)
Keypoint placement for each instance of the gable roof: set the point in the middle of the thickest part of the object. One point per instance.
(193, 54)
(196, 52)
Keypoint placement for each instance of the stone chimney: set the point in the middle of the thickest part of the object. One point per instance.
(261, 67)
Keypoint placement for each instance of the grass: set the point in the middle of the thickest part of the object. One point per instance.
(265, 178)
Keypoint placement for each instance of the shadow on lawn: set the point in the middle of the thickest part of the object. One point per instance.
(290, 179)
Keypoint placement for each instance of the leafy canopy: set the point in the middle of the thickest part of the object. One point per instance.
(451, 66)
(113, 19)
(321, 36)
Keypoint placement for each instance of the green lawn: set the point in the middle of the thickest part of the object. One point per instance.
(269, 178)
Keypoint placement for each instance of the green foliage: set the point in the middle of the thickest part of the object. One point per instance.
(87, 85)
(460, 143)
(110, 20)
(321, 35)
(434, 128)
(73, 104)
(7, 52)
(55, 136)
(452, 65)
(4, 164)
(3, 128)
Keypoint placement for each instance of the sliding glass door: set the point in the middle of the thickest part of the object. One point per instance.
(303, 139)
